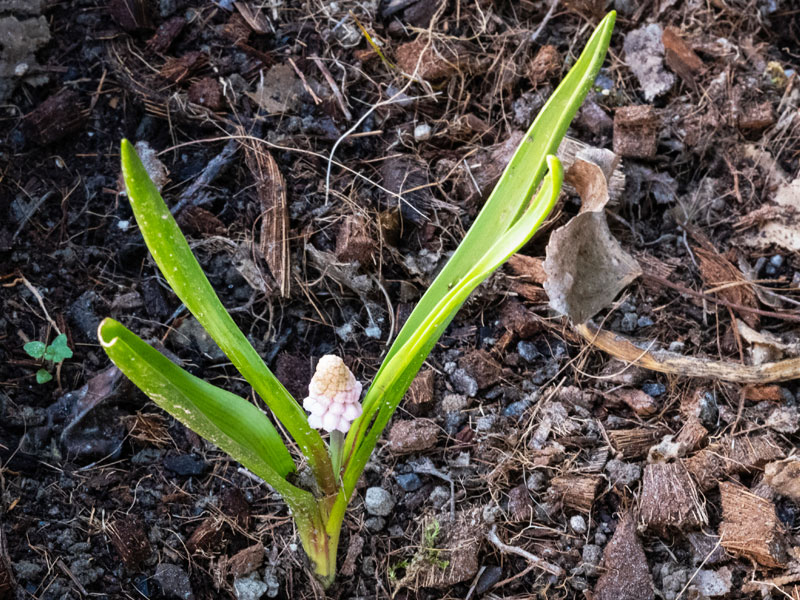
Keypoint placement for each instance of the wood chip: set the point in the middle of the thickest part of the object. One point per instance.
(206, 92)
(178, 69)
(129, 538)
(62, 114)
(718, 271)
(750, 527)
(730, 456)
(354, 242)
(271, 190)
(692, 434)
(246, 560)
(482, 367)
(427, 60)
(354, 548)
(576, 491)
(419, 397)
(669, 498)
(406, 437)
(208, 536)
(626, 575)
(755, 117)
(527, 268)
(635, 443)
(165, 34)
(679, 56)
(635, 131)
(639, 402)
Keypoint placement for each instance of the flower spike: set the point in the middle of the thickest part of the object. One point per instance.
(333, 396)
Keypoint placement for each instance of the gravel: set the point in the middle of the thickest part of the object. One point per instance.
(408, 482)
(578, 524)
(378, 502)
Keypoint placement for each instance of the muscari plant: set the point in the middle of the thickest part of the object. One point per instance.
(509, 218)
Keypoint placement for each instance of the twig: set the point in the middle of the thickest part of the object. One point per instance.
(334, 88)
(549, 15)
(39, 299)
(532, 558)
(786, 316)
(194, 194)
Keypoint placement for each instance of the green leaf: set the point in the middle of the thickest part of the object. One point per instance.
(520, 178)
(58, 350)
(397, 373)
(179, 267)
(505, 219)
(35, 349)
(43, 376)
(226, 420)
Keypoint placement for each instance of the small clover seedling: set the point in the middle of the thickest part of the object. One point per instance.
(56, 352)
(523, 198)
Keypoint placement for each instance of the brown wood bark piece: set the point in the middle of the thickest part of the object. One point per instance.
(635, 443)
(692, 434)
(750, 527)
(271, 190)
(669, 498)
(576, 491)
(635, 131)
(731, 456)
(128, 536)
(419, 397)
(60, 115)
(626, 574)
(354, 242)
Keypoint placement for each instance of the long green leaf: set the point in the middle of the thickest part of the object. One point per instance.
(520, 178)
(226, 420)
(397, 373)
(180, 268)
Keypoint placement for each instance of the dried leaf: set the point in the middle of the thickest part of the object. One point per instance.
(586, 267)
(644, 55)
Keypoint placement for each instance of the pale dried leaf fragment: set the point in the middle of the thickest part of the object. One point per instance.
(586, 267)
(644, 55)
(766, 346)
(779, 223)
(279, 90)
(784, 477)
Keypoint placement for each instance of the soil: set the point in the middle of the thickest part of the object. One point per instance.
(520, 427)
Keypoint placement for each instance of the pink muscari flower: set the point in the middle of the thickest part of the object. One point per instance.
(333, 396)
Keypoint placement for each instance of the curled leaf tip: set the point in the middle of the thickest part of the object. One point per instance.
(333, 396)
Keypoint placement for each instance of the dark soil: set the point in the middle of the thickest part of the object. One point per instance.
(105, 496)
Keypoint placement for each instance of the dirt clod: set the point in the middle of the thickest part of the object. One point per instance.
(406, 437)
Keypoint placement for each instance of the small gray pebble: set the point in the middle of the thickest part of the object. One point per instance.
(378, 502)
(645, 322)
(409, 482)
(578, 524)
(628, 323)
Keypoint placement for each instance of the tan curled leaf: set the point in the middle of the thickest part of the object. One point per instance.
(586, 267)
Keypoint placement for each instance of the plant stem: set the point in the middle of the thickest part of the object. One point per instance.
(336, 447)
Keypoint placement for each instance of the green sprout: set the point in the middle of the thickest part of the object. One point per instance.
(55, 353)
(512, 214)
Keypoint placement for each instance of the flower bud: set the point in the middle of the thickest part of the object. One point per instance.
(333, 396)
